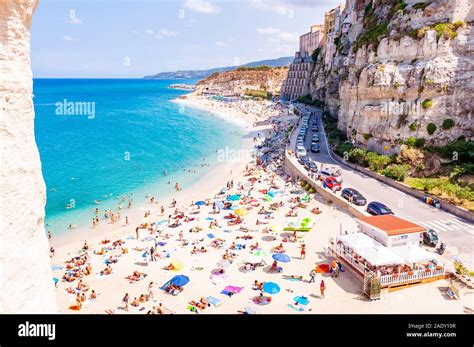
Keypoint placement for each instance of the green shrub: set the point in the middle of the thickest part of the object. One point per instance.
(343, 148)
(371, 36)
(401, 6)
(413, 126)
(306, 99)
(431, 128)
(427, 103)
(315, 54)
(443, 187)
(396, 171)
(461, 149)
(421, 5)
(376, 161)
(420, 142)
(257, 93)
(448, 30)
(254, 68)
(367, 136)
(410, 142)
(358, 156)
(448, 123)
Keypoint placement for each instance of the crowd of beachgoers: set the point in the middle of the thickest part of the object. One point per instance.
(229, 246)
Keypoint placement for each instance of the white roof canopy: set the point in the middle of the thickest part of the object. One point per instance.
(358, 241)
(380, 255)
(413, 253)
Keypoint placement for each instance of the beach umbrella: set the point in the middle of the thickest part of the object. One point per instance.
(180, 280)
(253, 259)
(250, 310)
(260, 253)
(200, 203)
(276, 228)
(223, 263)
(271, 288)
(177, 265)
(234, 207)
(233, 197)
(241, 212)
(219, 204)
(267, 197)
(283, 258)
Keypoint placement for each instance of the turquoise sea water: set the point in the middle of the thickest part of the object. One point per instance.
(134, 134)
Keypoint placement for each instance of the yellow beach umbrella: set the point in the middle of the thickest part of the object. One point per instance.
(276, 228)
(241, 212)
(177, 265)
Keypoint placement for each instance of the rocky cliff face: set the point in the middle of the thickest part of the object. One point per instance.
(26, 283)
(398, 73)
(245, 79)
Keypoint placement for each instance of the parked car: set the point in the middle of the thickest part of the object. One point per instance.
(301, 151)
(314, 128)
(300, 137)
(311, 165)
(331, 173)
(430, 238)
(353, 196)
(332, 184)
(378, 209)
(303, 160)
(315, 148)
(315, 138)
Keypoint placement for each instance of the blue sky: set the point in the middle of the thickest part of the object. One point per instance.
(125, 38)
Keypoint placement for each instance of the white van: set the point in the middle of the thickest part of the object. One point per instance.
(300, 151)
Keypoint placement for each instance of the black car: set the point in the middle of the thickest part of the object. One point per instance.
(377, 209)
(314, 128)
(303, 160)
(310, 165)
(353, 196)
(430, 238)
(315, 148)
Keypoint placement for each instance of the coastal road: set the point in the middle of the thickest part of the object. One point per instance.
(457, 233)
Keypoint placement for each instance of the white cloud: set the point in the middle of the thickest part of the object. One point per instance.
(162, 33)
(70, 38)
(149, 32)
(276, 34)
(201, 6)
(283, 7)
(221, 44)
(74, 20)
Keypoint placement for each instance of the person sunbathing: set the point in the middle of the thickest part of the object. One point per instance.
(169, 267)
(254, 246)
(135, 302)
(106, 271)
(278, 249)
(93, 295)
(262, 210)
(230, 216)
(86, 246)
(258, 285)
(87, 270)
(316, 210)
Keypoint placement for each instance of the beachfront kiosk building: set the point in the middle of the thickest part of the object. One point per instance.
(391, 231)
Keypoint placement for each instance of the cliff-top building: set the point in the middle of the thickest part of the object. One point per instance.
(296, 83)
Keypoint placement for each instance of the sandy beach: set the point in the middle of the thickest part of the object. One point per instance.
(218, 257)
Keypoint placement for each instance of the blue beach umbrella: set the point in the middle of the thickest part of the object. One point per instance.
(200, 203)
(271, 288)
(180, 280)
(282, 258)
(234, 197)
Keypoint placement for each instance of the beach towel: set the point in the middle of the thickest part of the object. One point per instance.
(231, 289)
(302, 300)
(214, 301)
(322, 268)
(209, 218)
(148, 238)
(161, 244)
(292, 279)
(211, 236)
(299, 309)
(57, 267)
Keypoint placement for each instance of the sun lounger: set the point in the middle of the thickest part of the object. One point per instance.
(214, 301)
(299, 309)
(211, 236)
